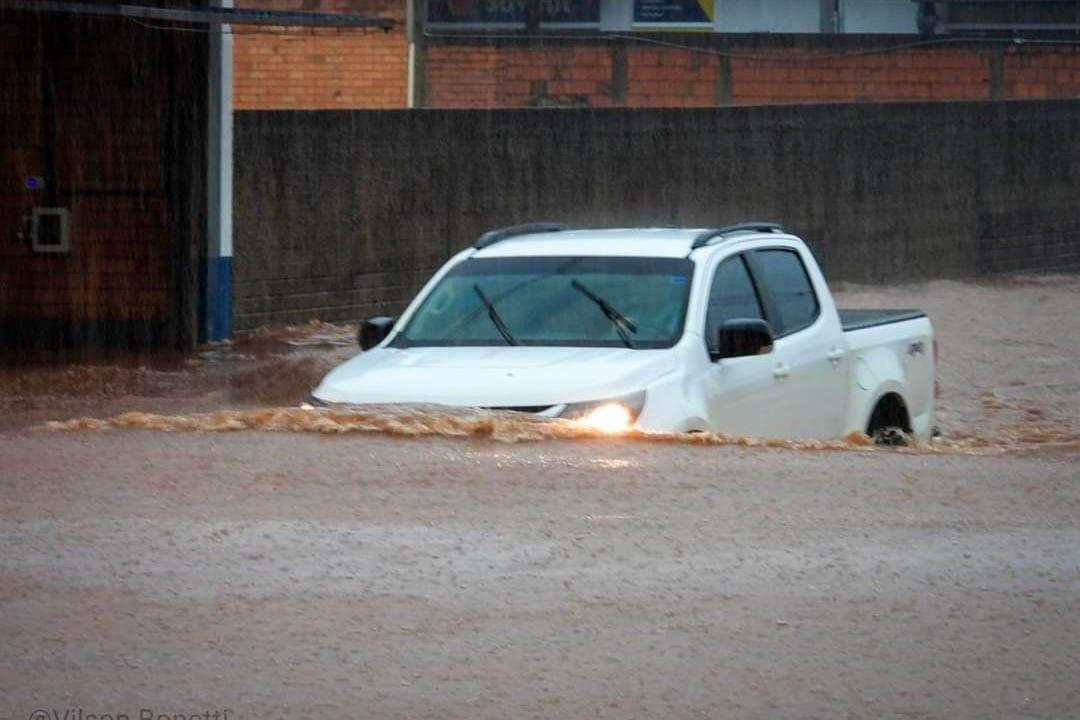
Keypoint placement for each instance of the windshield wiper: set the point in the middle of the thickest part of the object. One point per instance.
(494, 315)
(620, 321)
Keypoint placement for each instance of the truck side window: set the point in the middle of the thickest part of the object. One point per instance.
(785, 277)
(731, 296)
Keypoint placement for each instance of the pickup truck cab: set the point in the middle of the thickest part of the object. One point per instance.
(731, 330)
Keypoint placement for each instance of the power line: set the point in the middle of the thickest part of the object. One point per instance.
(645, 40)
(261, 30)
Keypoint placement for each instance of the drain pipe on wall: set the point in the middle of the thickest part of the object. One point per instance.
(415, 19)
(216, 301)
(830, 17)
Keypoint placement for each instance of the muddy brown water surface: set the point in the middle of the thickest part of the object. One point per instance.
(1008, 376)
(177, 535)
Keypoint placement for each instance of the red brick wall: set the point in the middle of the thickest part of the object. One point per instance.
(670, 78)
(305, 68)
(313, 68)
(489, 76)
(914, 75)
(99, 136)
(581, 75)
(508, 75)
(952, 74)
(1042, 73)
(494, 76)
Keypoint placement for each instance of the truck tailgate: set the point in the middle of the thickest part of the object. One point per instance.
(859, 319)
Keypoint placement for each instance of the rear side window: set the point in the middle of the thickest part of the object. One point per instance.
(786, 280)
(731, 296)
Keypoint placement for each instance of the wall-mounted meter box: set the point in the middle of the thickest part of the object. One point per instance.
(49, 230)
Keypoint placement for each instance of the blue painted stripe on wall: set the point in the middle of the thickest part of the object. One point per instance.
(216, 298)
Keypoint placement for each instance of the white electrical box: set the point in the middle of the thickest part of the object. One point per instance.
(49, 230)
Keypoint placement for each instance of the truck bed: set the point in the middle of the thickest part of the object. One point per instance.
(859, 319)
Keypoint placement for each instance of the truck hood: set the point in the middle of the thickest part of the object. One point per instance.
(493, 376)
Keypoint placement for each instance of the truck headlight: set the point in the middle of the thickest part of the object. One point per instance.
(614, 415)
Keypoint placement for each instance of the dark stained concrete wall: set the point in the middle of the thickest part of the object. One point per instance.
(342, 214)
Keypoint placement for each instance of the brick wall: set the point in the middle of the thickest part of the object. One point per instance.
(502, 76)
(670, 78)
(1042, 72)
(729, 70)
(913, 75)
(303, 67)
(306, 68)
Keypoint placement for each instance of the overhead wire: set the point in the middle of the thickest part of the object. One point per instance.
(636, 39)
(254, 30)
(700, 49)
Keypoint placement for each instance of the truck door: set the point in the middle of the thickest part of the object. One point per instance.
(809, 361)
(740, 393)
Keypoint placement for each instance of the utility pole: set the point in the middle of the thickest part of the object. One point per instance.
(415, 22)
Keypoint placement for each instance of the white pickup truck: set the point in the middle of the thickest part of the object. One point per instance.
(731, 330)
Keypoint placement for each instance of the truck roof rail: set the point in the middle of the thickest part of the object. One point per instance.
(493, 236)
(706, 236)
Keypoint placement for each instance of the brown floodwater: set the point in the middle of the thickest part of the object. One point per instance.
(1008, 375)
(421, 420)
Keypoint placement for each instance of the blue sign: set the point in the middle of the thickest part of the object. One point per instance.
(673, 12)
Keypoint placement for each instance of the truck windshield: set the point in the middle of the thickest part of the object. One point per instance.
(636, 302)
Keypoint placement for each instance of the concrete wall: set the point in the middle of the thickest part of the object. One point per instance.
(344, 214)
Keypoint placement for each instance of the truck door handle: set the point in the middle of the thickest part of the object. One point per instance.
(836, 355)
(781, 372)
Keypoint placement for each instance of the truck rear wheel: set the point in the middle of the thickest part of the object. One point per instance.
(889, 423)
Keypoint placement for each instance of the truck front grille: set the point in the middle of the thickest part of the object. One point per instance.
(534, 409)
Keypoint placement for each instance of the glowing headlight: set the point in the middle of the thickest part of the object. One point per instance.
(611, 416)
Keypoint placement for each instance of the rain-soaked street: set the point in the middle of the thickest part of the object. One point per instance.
(172, 542)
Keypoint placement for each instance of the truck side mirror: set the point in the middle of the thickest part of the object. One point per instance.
(373, 330)
(741, 337)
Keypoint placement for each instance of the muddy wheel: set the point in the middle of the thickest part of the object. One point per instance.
(889, 424)
(893, 436)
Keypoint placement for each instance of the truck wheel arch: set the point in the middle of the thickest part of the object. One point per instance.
(889, 411)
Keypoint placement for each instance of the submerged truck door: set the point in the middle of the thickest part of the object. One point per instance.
(809, 358)
(741, 394)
